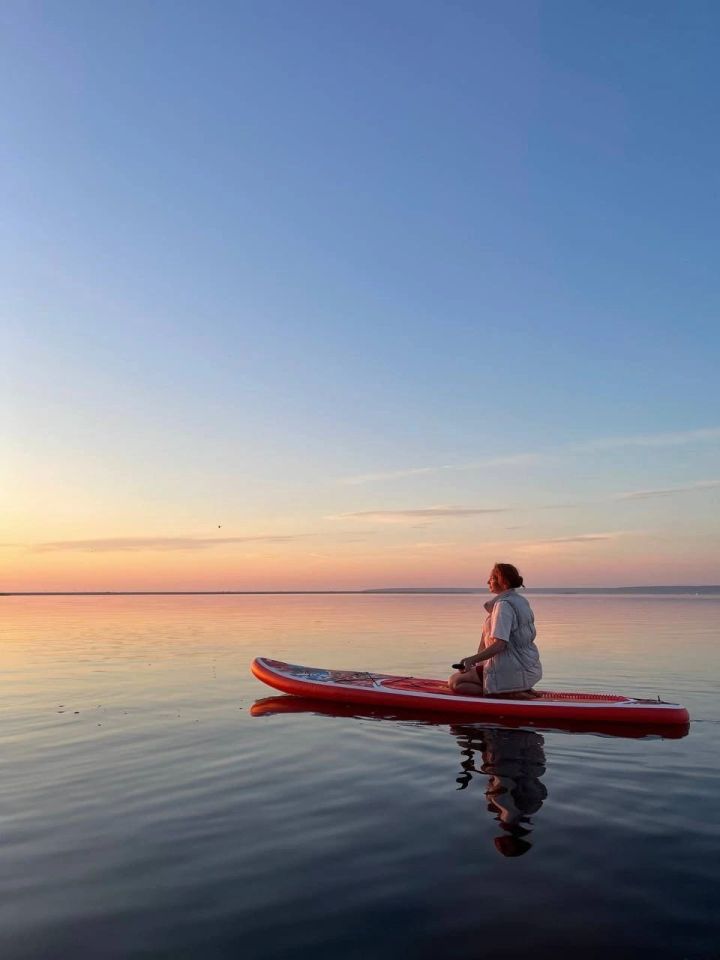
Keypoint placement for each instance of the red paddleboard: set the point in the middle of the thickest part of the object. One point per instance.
(415, 693)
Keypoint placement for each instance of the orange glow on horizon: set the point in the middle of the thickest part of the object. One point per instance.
(347, 568)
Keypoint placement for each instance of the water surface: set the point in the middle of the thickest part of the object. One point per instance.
(146, 812)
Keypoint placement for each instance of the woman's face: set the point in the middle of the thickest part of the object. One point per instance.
(496, 582)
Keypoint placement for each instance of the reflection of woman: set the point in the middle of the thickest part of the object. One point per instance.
(507, 663)
(514, 761)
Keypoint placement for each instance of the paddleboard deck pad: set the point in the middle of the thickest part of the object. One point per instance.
(415, 693)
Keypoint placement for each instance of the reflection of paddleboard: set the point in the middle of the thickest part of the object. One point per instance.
(280, 705)
(384, 690)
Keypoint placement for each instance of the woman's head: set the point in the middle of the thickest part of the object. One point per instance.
(504, 576)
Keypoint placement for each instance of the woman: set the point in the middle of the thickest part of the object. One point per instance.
(507, 663)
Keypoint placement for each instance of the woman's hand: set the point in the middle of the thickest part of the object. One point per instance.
(467, 663)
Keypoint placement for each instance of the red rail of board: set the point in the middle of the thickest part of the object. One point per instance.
(416, 693)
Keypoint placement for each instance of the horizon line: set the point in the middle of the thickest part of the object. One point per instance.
(371, 590)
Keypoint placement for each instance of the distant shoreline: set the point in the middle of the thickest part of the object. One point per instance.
(707, 590)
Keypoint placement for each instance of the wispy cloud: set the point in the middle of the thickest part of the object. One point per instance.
(116, 544)
(668, 491)
(516, 459)
(652, 440)
(581, 538)
(428, 514)
(598, 445)
(394, 474)
(578, 538)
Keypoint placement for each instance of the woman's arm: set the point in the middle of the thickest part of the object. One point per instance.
(494, 646)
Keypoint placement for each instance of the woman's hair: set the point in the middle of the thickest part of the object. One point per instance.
(510, 575)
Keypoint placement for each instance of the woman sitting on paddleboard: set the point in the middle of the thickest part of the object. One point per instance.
(507, 663)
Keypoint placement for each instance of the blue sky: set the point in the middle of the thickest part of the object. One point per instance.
(465, 252)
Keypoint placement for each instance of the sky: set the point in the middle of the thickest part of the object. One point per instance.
(319, 295)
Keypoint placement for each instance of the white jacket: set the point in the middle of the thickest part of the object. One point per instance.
(517, 667)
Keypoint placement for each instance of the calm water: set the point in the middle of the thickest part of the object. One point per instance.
(147, 812)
